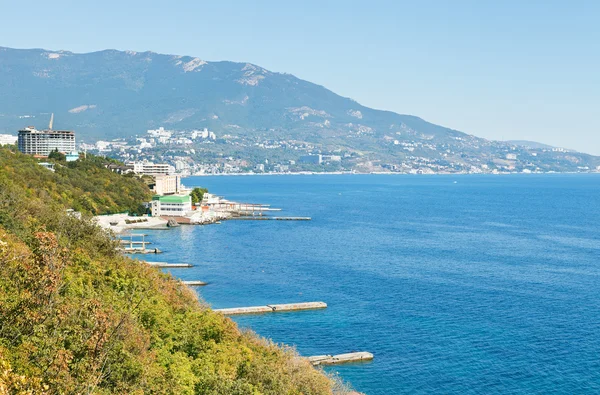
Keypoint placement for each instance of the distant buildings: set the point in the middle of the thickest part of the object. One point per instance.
(41, 142)
(8, 139)
(203, 134)
(152, 169)
(176, 206)
(331, 158)
(312, 159)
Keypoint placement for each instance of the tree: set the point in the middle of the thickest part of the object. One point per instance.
(59, 156)
(197, 194)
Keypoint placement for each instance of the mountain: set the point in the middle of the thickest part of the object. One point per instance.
(120, 94)
(530, 144)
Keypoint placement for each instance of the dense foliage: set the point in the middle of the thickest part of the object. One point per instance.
(77, 317)
(58, 156)
(84, 185)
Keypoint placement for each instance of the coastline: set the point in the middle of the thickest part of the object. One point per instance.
(118, 225)
(391, 173)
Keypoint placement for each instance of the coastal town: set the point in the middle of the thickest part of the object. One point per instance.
(200, 151)
(172, 204)
(203, 152)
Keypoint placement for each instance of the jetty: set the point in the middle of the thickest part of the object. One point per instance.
(340, 358)
(195, 283)
(273, 308)
(141, 250)
(167, 264)
(132, 243)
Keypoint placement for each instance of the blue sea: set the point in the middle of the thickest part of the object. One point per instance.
(457, 284)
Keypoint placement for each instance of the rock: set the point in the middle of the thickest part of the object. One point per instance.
(172, 223)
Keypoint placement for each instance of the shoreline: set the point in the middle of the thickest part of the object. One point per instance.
(391, 173)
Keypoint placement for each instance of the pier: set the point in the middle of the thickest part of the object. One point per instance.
(132, 243)
(167, 264)
(273, 308)
(195, 283)
(141, 250)
(362, 356)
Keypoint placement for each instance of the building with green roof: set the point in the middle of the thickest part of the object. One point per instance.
(171, 205)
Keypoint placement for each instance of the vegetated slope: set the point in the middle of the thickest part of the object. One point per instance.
(77, 317)
(84, 185)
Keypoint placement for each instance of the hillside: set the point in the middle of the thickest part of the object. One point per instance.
(257, 114)
(77, 317)
(84, 185)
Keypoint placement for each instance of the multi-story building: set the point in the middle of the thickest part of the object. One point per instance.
(167, 184)
(312, 159)
(41, 142)
(173, 205)
(152, 169)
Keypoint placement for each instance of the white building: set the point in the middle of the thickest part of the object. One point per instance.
(152, 169)
(160, 132)
(172, 206)
(203, 134)
(8, 139)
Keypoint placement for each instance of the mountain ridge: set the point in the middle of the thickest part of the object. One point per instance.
(110, 94)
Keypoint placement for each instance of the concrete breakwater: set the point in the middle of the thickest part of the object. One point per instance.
(195, 283)
(340, 358)
(273, 308)
(166, 264)
(142, 250)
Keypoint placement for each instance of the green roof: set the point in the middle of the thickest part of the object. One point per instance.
(172, 199)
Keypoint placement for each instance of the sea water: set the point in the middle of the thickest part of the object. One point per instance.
(457, 284)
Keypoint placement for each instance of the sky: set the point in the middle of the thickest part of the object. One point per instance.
(504, 70)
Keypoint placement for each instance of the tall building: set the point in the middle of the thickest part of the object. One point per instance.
(41, 142)
(167, 185)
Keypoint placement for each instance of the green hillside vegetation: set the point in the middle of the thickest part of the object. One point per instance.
(84, 185)
(76, 317)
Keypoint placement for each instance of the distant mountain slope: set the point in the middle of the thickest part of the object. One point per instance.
(108, 94)
(530, 144)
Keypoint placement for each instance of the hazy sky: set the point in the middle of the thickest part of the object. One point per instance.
(497, 69)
